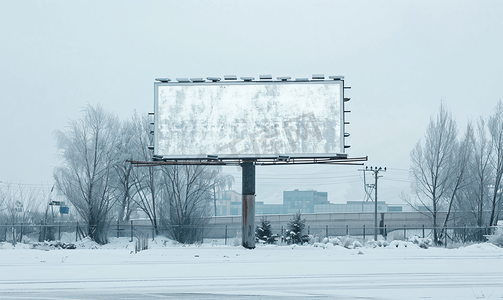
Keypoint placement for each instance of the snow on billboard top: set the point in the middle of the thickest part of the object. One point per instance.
(249, 119)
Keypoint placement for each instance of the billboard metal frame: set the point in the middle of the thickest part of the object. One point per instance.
(339, 80)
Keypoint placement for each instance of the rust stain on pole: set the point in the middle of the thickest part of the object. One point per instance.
(248, 205)
(249, 221)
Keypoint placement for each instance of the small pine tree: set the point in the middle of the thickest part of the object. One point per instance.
(263, 232)
(294, 231)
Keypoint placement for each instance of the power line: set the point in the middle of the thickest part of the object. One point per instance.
(25, 185)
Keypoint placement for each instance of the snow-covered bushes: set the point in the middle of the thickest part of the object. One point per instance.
(350, 243)
(497, 237)
(346, 242)
(53, 245)
(424, 243)
(401, 244)
(378, 243)
(332, 240)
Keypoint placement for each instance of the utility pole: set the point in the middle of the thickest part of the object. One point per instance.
(376, 171)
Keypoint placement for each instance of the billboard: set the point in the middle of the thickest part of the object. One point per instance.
(249, 119)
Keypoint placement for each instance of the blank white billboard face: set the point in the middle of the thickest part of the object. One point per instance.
(249, 119)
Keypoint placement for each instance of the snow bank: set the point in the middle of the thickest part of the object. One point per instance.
(497, 237)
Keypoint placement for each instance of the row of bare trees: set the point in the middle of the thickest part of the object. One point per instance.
(459, 173)
(21, 206)
(102, 186)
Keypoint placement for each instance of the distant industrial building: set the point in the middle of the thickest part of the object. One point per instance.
(310, 201)
(227, 203)
(303, 201)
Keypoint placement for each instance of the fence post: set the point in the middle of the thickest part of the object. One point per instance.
(45, 230)
(117, 228)
(385, 232)
(423, 231)
(77, 231)
(21, 232)
(364, 232)
(59, 231)
(347, 230)
(225, 234)
(41, 234)
(464, 234)
(445, 236)
(282, 233)
(326, 231)
(308, 230)
(404, 233)
(131, 230)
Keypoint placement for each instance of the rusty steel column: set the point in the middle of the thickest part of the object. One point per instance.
(248, 229)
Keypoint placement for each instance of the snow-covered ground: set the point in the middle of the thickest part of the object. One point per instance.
(169, 271)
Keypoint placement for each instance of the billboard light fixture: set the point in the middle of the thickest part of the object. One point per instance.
(347, 99)
(265, 77)
(347, 111)
(346, 146)
(150, 147)
(230, 77)
(212, 157)
(341, 155)
(182, 80)
(346, 134)
(248, 78)
(163, 79)
(284, 158)
(284, 78)
(301, 79)
(346, 123)
(197, 79)
(318, 76)
(336, 77)
(214, 79)
(151, 113)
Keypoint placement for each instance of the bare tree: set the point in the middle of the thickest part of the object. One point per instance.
(88, 149)
(124, 178)
(22, 206)
(221, 182)
(461, 155)
(495, 125)
(432, 165)
(187, 201)
(146, 179)
(477, 193)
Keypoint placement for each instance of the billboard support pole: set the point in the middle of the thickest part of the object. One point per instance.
(248, 205)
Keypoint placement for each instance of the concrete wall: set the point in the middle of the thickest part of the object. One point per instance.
(335, 224)
(331, 224)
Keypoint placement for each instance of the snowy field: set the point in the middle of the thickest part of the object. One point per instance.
(169, 271)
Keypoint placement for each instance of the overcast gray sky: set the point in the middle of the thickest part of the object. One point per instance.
(401, 58)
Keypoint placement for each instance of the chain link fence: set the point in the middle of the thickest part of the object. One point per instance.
(231, 234)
